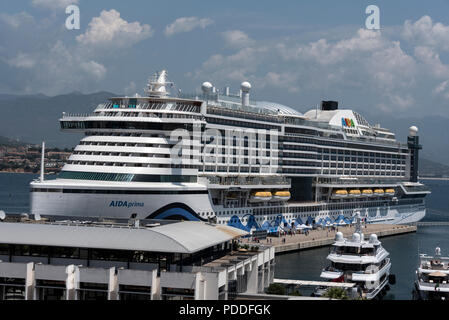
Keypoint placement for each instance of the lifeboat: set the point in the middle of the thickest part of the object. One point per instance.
(340, 194)
(367, 192)
(355, 193)
(282, 195)
(260, 196)
(390, 192)
(379, 192)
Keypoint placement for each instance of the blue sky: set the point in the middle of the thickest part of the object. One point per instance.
(293, 52)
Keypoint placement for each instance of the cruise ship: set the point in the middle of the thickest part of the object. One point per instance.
(222, 157)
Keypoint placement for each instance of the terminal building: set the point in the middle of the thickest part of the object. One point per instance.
(128, 260)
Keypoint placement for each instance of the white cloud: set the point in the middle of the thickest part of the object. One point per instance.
(432, 62)
(366, 62)
(424, 32)
(286, 80)
(16, 20)
(186, 24)
(94, 68)
(53, 4)
(22, 61)
(66, 66)
(109, 29)
(442, 89)
(324, 52)
(237, 38)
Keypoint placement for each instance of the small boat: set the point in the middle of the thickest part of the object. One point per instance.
(432, 277)
(340, 194)
(367, 192)
(379, 192)
(390, 192)
(355, 193)
(282, 195)
(260, 196)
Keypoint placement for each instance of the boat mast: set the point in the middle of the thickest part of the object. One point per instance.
(358, 225)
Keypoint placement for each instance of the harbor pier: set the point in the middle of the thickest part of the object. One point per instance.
(325, 236)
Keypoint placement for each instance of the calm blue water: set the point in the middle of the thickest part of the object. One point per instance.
(307, 265)
(437, 201)
(14, 192)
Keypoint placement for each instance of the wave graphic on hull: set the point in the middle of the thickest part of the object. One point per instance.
(280, 223)
(176, 211)
(180, 211)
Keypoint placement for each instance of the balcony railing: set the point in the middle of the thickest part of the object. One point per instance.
(228, 181)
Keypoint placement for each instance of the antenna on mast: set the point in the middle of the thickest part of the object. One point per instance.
(157, 85)
(42, 161)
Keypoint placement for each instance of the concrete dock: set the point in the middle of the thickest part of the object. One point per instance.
(325, 237)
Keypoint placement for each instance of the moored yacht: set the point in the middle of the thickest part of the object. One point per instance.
(356, 260)
(432, 281)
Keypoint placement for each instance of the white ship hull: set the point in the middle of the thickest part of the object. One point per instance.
(199, 207)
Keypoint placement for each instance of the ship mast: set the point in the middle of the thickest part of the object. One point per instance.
(157, 86)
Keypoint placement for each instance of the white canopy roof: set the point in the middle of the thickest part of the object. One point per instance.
(178, 237)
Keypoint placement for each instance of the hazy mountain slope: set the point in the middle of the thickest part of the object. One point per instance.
(34, 119)
(428, 168)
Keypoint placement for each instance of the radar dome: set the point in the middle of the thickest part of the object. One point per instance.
(245, 86)
(373, 238)
(339, 236)
(206, 87)
(356, 237)
(413, 130)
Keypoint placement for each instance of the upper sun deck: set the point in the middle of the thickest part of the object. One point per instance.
(431, 263)
(343, 124)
